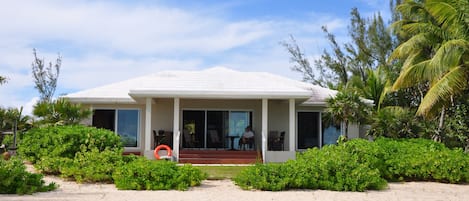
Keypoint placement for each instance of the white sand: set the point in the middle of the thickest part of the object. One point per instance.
(226, 190)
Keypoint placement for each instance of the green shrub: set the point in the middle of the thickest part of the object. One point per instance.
(7, 140)
(15, 179)
(144, 174)
(422, 160)
(65, 141)
(346, 167)
(93, 166)
(52, 165)
(358, 165)
(271, 177)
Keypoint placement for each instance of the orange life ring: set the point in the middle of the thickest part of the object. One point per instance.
(163, 146)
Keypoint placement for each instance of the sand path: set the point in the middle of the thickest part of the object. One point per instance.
(226, 190)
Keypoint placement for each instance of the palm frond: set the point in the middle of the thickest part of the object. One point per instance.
(450, 54)
(411, 76)
(450, 84)
(415, 43)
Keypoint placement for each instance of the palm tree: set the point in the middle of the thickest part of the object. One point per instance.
(374, 88)
(347, 107)
(436, 52)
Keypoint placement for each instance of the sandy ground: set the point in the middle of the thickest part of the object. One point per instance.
(226, 190)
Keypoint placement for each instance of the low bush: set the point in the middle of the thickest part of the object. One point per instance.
(332, 168)
(422, 160)
(15, 179)
(65, 141)
(272, 177)
(93, 166)
(358, 165)
(52, 165)
(144, 174)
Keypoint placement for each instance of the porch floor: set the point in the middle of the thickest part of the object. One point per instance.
(219, 157)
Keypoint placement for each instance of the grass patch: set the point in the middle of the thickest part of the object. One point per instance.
(221, 172)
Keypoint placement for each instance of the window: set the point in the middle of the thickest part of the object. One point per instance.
(330, 132)
(125, 122)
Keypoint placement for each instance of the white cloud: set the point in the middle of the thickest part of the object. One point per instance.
(28, 106)
(104, 41)
(132, 30)
(92, 71)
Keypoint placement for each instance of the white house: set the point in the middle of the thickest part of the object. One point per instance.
(209, 109)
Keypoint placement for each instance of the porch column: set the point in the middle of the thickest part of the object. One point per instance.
(265, 107)
(291, 127)
(176, 132)
(147, 146)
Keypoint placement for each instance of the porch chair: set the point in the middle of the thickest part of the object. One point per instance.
(189, 142)
(272, 137)
(250, 143)
(215, 139)
(162, 137)
(278, 144)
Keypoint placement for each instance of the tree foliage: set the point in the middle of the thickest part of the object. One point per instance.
(8, 117)
(347, 107)
(436, 51)
(45, 76)
(369, 48)
(60, 111)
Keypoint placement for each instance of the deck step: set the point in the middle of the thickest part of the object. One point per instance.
(219, 157)
(217, 161)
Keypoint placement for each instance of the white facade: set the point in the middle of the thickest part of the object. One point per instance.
(215, 99)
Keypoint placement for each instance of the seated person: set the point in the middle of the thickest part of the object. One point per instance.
(247, 137)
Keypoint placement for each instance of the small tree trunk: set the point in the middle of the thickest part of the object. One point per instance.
(466, 148)
(346, 129)
(437, 136)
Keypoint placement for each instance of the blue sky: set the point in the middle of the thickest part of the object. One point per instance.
(102, 42)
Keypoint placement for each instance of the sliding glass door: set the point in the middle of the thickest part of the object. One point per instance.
(239, 120)
(193, 134)
(308, 130)
(210, 128)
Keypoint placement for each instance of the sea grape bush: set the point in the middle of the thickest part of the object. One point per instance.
(15, 179)
(65, 141)
(93, 166)
(359, 165)
(422, 160)
(144, 174)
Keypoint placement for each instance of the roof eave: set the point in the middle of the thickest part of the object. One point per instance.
(314, 104)
(100, 100)
(219, 94)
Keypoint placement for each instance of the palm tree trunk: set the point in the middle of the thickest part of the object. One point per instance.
(437, 136)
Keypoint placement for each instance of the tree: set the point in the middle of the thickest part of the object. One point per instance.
(435, 54)
(457, 124)
(60, 111)
(45, 78)
(347, 107)
(360, 65)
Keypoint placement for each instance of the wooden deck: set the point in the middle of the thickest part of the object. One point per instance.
(219, 157)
